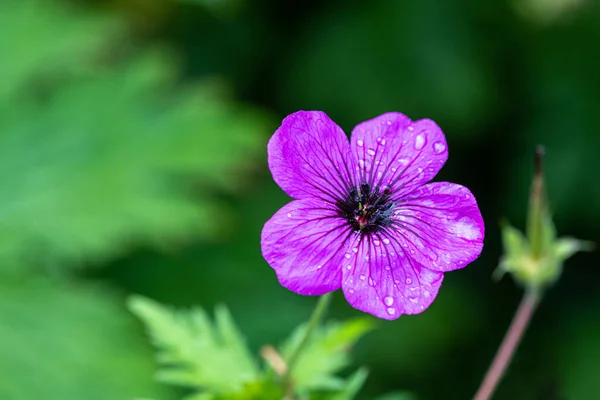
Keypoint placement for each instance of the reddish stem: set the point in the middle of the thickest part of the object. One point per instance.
(508, 346)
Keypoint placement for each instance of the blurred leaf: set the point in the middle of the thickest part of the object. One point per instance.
(326, 354)
(69, 341)
(96, 161)
(353, 385)
(47, 37)
(194, 352)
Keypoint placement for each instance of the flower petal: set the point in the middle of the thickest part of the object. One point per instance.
(394, 151)
(384, 282)
(309, 157)
(439, 225)
(305, 243)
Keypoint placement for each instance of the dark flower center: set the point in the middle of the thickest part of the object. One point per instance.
(367, 209)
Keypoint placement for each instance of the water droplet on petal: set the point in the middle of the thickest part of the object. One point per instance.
(383, 142)
(439, 147)
(347, 255)
(411, 128)
(351, 291)
(386, 240)
(391, 311)
(362, 277)
(371, 282)
(387, 267)
(319, 266)
(388, 300)
(408, 281)
(359, 142)
(426, 294)
(376, 242)
(349, 267)
(355, 250)
(289, 215)
(371, 152)
(414, 300)
(419, 141)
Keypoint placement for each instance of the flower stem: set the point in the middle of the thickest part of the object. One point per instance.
(313, 322)
(509, 345)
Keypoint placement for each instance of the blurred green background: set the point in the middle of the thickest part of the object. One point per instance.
(133, 160)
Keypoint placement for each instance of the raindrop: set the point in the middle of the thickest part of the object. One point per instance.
(355, 250)
(347, 255)
(383, 142)
(319, 266)
(426, 294)
(411, 128)
(376, 242)
(403, 161)
(408, 281)
(386, 241)
(419, 142)
(349, 267)
(362, 277)
(359, 142)
(414, 300)
(289, 215)
(387, 267)
(351, 291)
(371, 152)
(388, 300)
(391, 311)
(439, 147)
(371, 282)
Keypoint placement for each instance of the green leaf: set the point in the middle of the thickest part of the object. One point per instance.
(70, 341)
(194, 352)
(353, 385)
(99, 157)
(566, 247)
(326, 354)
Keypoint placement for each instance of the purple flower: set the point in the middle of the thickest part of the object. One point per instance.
(364, 217)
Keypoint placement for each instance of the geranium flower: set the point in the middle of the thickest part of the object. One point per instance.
(364, 217)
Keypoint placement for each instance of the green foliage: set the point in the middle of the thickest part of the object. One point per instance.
(325, 354)
(63, 341)
(194, 352)
(212, 360)
(109, 154)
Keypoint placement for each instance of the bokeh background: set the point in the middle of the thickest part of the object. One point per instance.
(133, 160)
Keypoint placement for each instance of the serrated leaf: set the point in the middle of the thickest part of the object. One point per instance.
(194, 352)
(325, 354)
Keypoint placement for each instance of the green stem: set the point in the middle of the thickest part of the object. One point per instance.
(313, 322)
